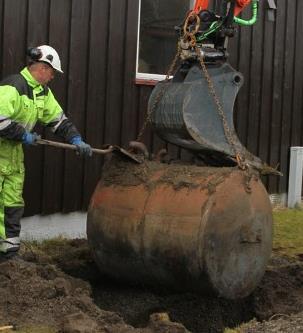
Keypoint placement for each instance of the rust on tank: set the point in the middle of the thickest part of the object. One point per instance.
(181, 226)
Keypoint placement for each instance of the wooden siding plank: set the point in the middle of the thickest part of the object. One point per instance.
(297, 118)
(174, 152)
(157, 144)
(77, 94)
(147, 136)
(14, 36)
(129, 116)
(96, 92)
(266, 89)
(59, 35)
(233, 49)
(289, 57)
(255, 84)
(243, 96)
(266, 93)
(276, 117)
(115, 74)
(1, 36)
(37, 15)
(187, 156)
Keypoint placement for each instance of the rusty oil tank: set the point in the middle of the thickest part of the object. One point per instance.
(181, 227)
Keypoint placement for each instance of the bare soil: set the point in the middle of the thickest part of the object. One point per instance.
(57, 288)
(150, 173)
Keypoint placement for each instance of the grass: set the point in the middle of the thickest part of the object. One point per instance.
(58, 250)
(288, 232)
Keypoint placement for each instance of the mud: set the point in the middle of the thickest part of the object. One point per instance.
(118, 172)
(35, 292)
(59, 289)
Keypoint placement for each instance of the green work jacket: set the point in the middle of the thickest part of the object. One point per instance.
(25, 101)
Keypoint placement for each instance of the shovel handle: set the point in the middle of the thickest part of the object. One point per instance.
(72, 147)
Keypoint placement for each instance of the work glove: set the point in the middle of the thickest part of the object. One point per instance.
(30, 138)
(83, 148)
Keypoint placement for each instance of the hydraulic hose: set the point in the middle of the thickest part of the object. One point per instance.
(254, 18)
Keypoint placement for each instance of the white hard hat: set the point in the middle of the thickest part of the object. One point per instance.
(50, 55)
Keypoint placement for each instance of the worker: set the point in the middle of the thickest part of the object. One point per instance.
(26, 99)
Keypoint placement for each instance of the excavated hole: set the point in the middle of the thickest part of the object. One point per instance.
(197, 313)
(38, 292)
(135, 304)
(280, 292)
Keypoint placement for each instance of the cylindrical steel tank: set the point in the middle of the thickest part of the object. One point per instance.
(183, 227)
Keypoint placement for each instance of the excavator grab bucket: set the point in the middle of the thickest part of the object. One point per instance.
(185, 114)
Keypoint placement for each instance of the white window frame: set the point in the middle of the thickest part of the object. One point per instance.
(149, 76)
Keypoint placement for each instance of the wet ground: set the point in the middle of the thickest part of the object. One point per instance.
(57, 288)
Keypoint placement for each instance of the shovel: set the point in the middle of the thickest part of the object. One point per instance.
(110, 149)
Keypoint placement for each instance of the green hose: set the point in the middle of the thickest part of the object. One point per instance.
(214, 26)
(254, 18)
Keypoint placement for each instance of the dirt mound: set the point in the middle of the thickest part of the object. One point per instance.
(40, 295)
(278, 302)
(281, 290)
(57, 288)
(279, 323)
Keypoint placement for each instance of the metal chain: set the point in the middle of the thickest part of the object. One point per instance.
(152, 109)
(228, 134)
(227, 131)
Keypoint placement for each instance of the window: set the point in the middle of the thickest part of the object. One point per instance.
(157, 38)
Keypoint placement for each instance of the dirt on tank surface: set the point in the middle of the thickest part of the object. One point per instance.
(177, 175)
(57, 288)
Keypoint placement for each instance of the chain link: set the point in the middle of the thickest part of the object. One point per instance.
(227, 131)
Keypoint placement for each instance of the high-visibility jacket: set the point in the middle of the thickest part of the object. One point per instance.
(23, 103)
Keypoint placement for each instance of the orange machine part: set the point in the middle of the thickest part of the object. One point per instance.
(240, 5)
(203, 5)
(200, 5)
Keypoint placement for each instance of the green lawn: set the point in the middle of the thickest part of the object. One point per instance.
(288, 232)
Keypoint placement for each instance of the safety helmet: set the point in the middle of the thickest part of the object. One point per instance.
(46, 54)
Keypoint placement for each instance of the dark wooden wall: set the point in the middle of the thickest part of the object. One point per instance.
(97, 43)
